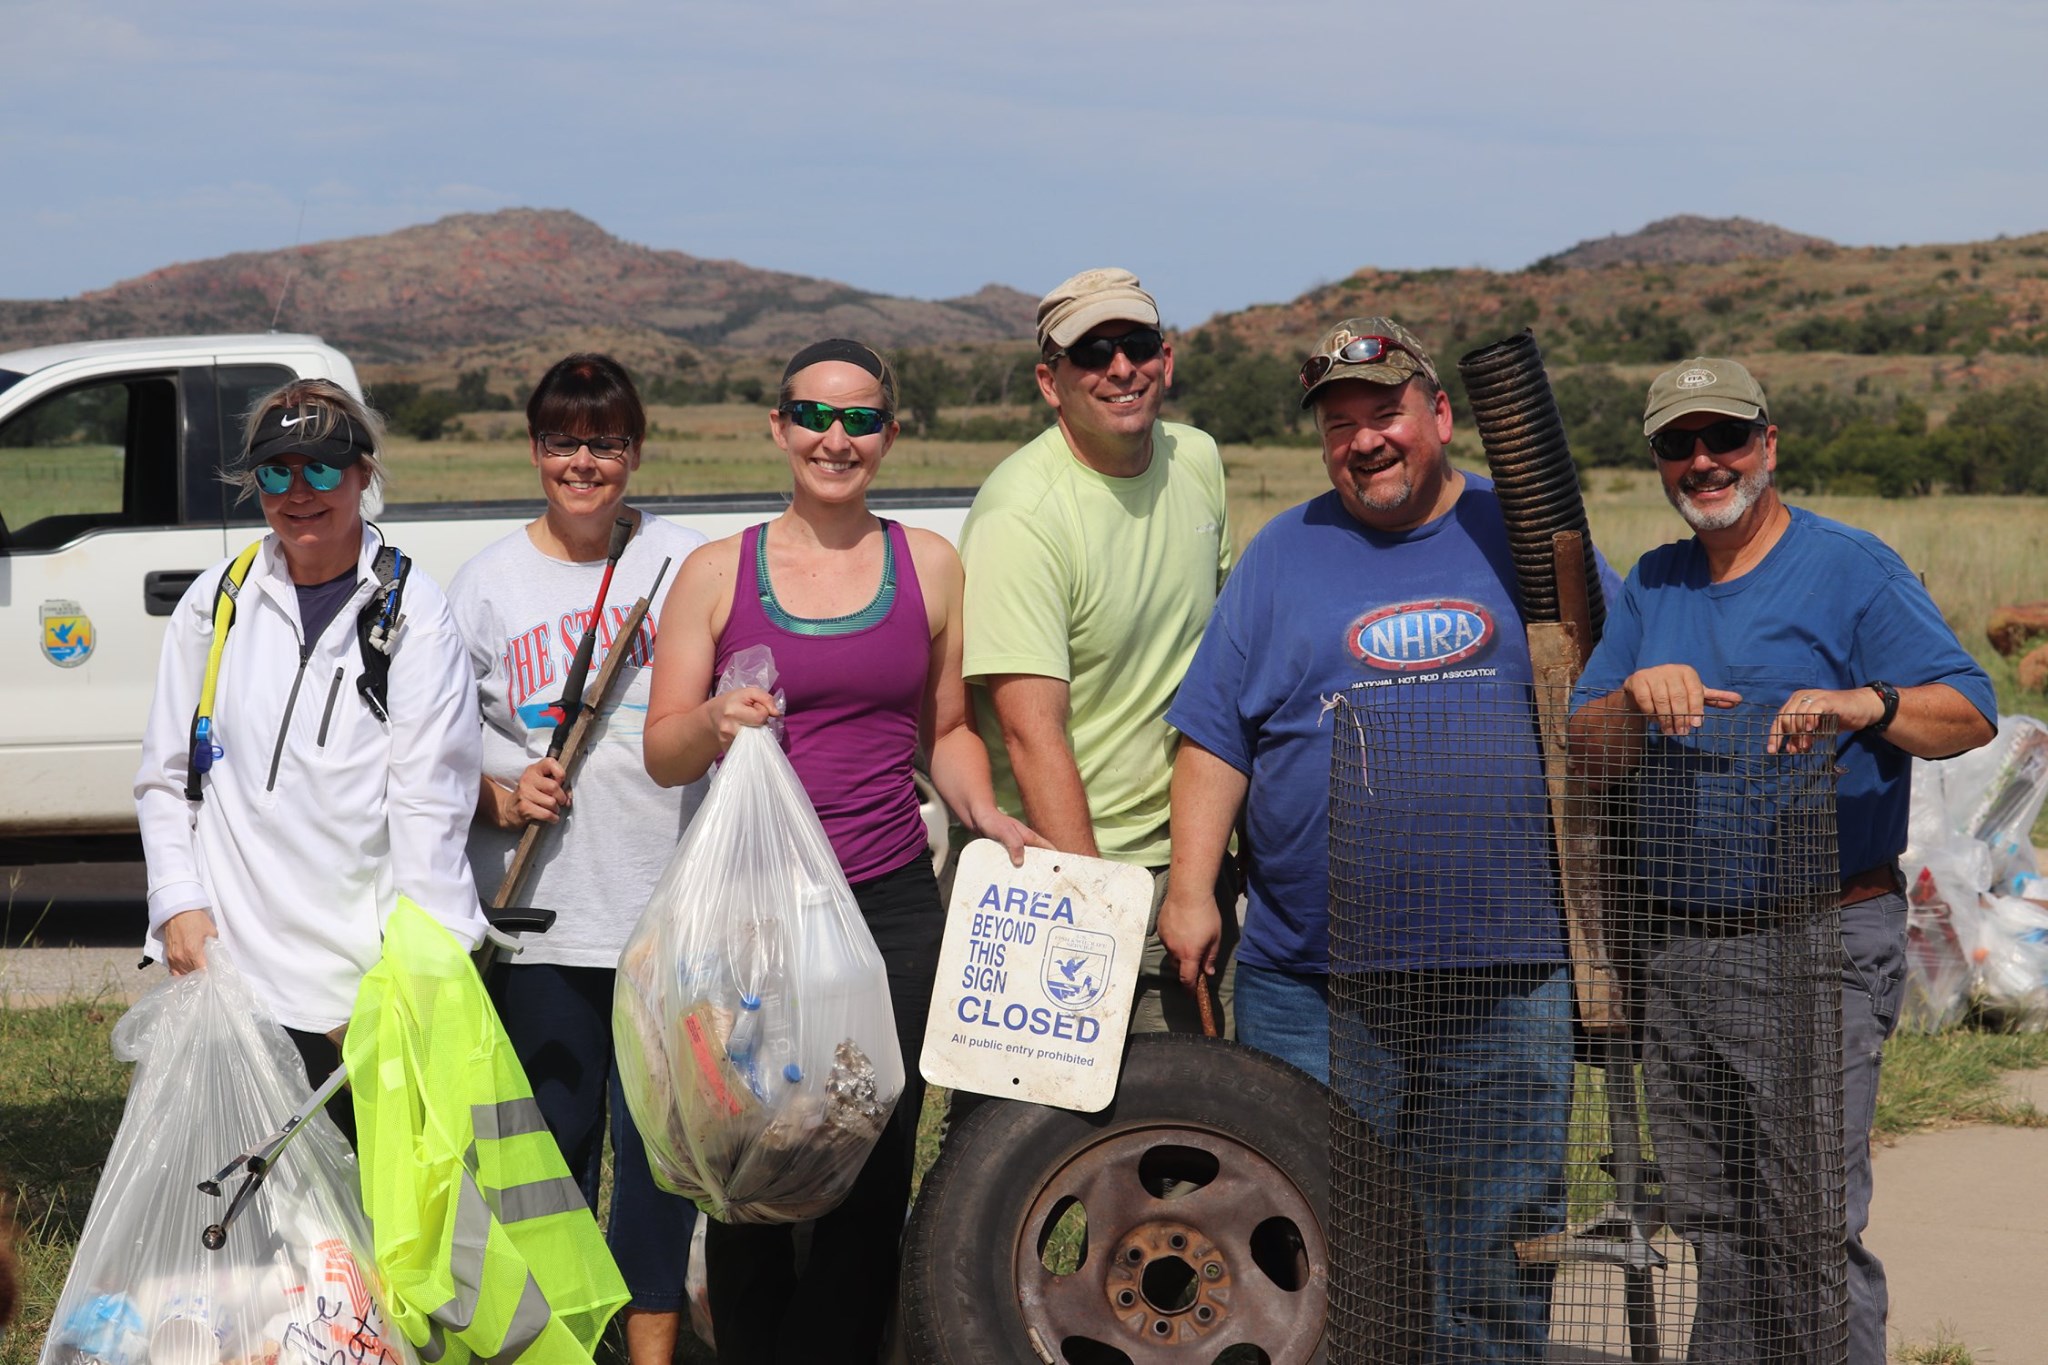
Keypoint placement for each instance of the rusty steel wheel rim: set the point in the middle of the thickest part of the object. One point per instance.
(1196, 1242)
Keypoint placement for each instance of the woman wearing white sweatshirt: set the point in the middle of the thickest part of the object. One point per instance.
(317, 801)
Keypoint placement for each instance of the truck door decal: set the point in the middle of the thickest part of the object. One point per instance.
(67, 633)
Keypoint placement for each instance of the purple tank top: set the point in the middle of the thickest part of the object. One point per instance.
(852, 705)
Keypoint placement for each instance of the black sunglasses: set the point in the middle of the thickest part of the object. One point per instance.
(1099, 353)
(1721, 438)
(1357, 351)
(819, 417)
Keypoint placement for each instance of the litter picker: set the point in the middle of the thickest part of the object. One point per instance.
(257, 1159)
(574, 714)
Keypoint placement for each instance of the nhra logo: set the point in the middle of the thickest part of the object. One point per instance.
(1412, 636)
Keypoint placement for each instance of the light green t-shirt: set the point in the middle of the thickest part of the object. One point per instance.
(1106, 583)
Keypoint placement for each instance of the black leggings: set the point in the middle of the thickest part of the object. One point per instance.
(763, 1311)
(321, 1057)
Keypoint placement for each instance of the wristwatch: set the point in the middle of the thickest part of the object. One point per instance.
(1890, 696)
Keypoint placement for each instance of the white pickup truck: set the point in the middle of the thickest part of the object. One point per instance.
(111, 504)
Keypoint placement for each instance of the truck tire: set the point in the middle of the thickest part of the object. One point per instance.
(1204, 1192)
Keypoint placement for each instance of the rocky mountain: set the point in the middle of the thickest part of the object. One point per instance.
(1974, 311)
(514, 276)
(1687, 239)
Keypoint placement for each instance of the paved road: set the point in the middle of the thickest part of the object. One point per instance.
(71, 930)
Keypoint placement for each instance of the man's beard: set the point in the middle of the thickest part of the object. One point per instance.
(1393, 500)
(1748, 488)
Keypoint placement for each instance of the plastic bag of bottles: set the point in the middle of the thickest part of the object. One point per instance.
(756, 1043)
(293, 1283)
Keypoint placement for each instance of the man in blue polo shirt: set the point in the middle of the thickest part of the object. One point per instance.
(1399, 584)
(1768, 606)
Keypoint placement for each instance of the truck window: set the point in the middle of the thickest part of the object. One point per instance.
(239, 387)
(102, 453)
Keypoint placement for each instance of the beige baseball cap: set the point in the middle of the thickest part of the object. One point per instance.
(1395, 364)
(1702, 384)
(1076, 306)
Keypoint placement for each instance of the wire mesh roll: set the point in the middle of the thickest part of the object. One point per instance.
(1505, 1190)
(1531, 464)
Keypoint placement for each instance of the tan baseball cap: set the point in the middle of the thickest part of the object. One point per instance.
(1702, 384)
(1089, 299)
(1395, 364)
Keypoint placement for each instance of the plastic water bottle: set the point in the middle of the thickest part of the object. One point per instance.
(740, 1043)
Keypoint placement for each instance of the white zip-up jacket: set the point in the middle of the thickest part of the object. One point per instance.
(317, 815)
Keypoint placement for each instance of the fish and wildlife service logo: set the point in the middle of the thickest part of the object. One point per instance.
(67, 634)
(1076, 967)
(1697, 378)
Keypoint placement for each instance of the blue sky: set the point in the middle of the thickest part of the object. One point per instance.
(1230, 153)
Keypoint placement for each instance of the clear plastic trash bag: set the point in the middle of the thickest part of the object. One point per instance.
(294, 1284)
(756, 1043)
(2012, 963)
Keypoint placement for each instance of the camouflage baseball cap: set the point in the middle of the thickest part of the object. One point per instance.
(1395, 364)
(1702, 384)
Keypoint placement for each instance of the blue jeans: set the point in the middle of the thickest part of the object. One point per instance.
(1463, 1078)
(1285, 1015)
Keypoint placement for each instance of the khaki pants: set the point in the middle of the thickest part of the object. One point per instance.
(1161, 1005)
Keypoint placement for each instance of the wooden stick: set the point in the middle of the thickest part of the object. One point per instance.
(1558, 651)
(579, 731)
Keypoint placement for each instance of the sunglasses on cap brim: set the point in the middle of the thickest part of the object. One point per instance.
(1357, 351)
(1722, 438)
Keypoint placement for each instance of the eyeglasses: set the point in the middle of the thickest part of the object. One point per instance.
(1721, 438)
(277, 478)
(561, 445)
(1357, 351)
(819, 417)
(1099, 353)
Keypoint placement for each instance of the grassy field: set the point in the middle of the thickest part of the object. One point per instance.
(1974, 553)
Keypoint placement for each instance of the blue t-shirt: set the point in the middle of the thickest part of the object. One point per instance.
(1830, 607)
(1322, 606)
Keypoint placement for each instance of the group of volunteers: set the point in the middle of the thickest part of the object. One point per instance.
(1095, 671)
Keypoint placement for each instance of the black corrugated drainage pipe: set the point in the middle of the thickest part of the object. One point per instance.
(1532, 468)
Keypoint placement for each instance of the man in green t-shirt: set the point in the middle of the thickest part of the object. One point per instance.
(1093, 556)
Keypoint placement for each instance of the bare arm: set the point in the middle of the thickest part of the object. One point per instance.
(687, 727)
(958, 759)
(1032, 711)
(1934, 720)
(1606, 734)
(1207, 794)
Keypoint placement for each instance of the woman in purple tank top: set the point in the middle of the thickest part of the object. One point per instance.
(863, 616)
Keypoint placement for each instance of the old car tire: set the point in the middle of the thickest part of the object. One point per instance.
(1205, 1191)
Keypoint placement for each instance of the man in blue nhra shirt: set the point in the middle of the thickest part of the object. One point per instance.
(1402, 571)
(1771, 606)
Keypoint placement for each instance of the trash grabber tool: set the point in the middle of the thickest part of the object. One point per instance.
(257, 1159)
(564, 711)
(571, 733)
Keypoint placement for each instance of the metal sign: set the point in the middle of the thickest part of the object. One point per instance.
(1036, 976)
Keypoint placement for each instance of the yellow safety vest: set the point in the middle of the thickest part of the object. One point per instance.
(484, 1244)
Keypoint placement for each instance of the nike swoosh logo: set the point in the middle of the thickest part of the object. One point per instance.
(294, 421)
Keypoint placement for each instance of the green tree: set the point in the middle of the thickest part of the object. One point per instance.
(1234, 393)
(922, 381)
(1603, 417)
